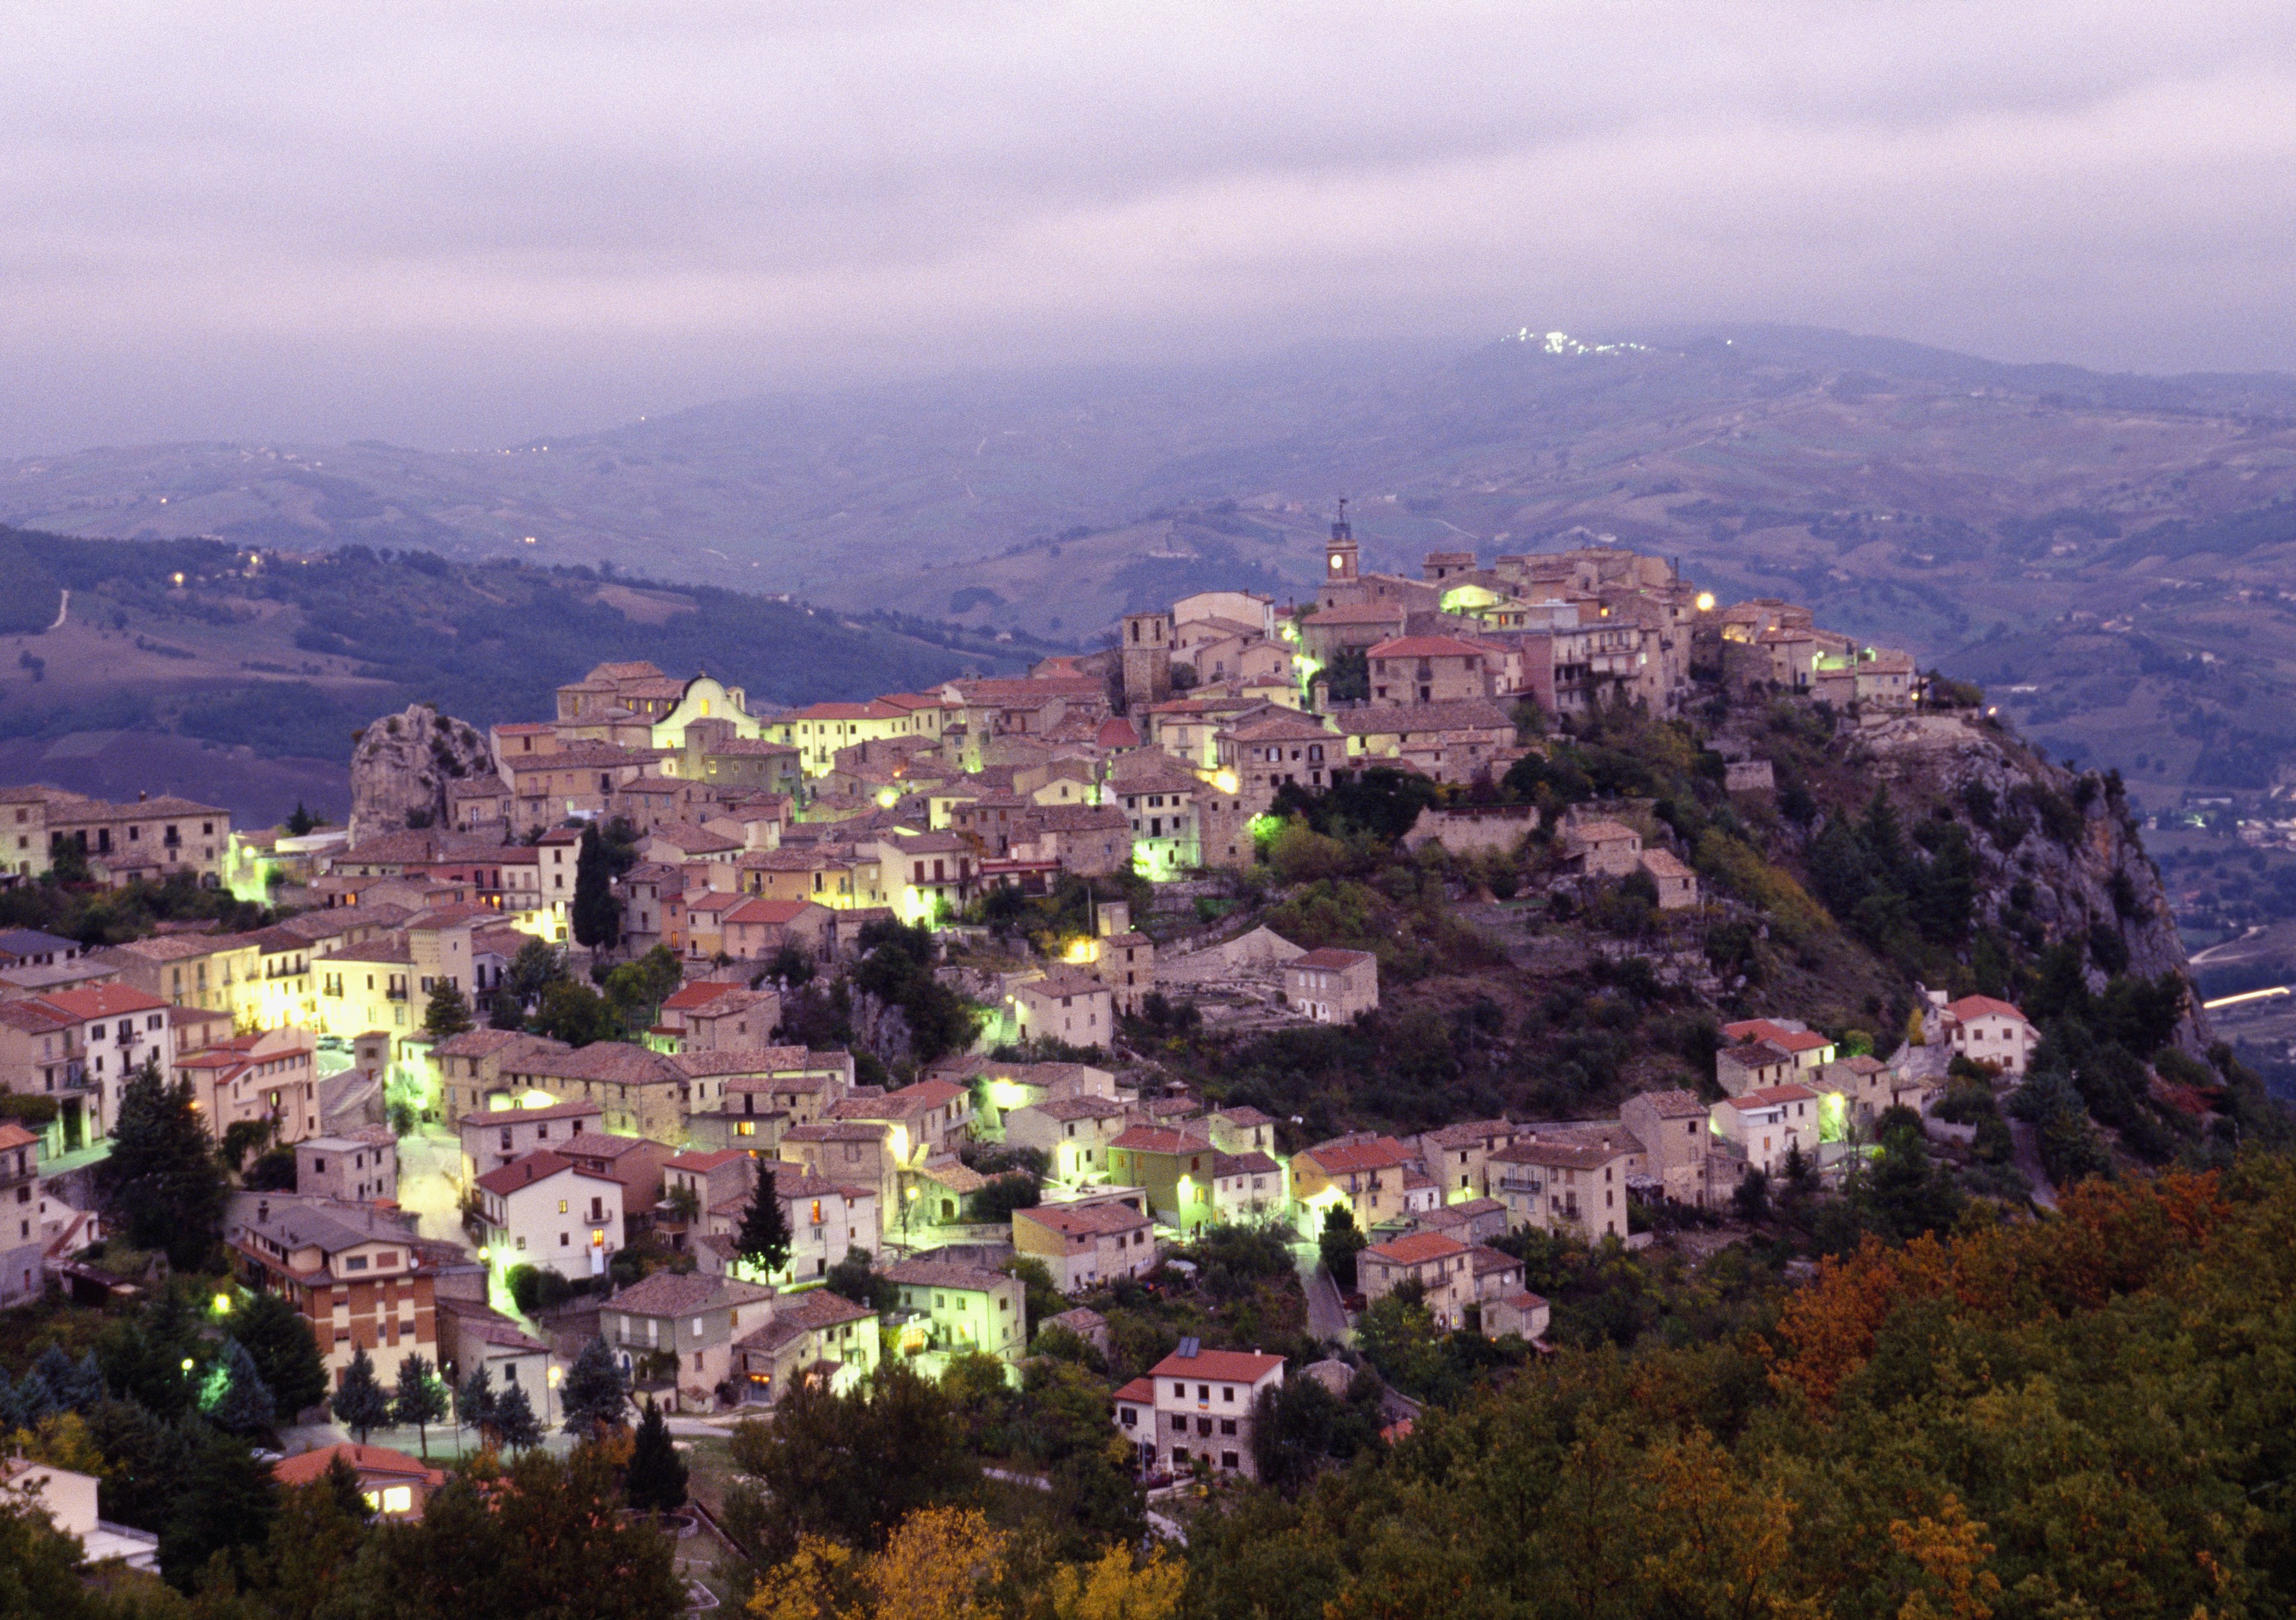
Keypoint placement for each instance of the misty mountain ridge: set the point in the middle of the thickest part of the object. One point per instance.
(2110, 546)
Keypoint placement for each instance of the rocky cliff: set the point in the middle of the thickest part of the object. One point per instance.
(402, 764)
(2058, 853)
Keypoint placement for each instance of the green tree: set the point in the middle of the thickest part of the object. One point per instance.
(593, 1396)
(515, 1423)
(243, 1137)
(220, 1501)
(848, 1467)
(596, 916)
(359, 1404)
(1339, 1243)
(638, 989)
(448, 1011)
(39, 1570)
(576, 1015)
(286, 1356)
(68, 863)
(764, 1240)
(656, 1478)
(421, 1398)
(543, 1536)
(537, 966)
(162, 1181)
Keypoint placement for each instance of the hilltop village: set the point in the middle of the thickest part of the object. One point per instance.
(739, 1053)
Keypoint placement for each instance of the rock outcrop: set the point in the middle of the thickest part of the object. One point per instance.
(402, 764)
(2059, 848)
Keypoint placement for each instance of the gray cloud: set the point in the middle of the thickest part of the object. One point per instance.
(450, 224)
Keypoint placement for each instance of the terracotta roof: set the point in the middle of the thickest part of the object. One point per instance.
(307, 1468)
(1981, 1007)
(797, 1314)
(1140, 1392)
(1079, 1107)
(948, 1274)
(757, 1062)
(1161, 1139)
(1416, 1248)
(1244, 1164)
(102, 1002)
(701, 1163)
(1089, 1220)
(1220, 1366)
(1347, 1154)
(773, 913)
(1598, 832)
(1661, 863)
(538, 1166)
(1563, 1153)
(671, 1294)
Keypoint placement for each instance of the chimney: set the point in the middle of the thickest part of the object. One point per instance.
(141, 795)
(263, 1210)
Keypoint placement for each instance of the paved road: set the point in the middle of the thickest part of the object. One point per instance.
(2027, 1143)
(1327, 1319)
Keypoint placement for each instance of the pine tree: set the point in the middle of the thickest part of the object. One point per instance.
(34, 1400)
(475, 1402)
(593, 1396)
(764, 1240)
(342, 1482)
(76, 1385)
(448, 1011)
(514, 1419)
(244, 1406)
(302, 822)
(360, 1404)
(162, 1178)
(421, 1398)
(656, 1480)
(596, 919)
(286, 1354)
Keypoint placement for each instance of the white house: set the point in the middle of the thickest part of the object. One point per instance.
(1198, 1403)
(1986, 1031)
(540, 1211)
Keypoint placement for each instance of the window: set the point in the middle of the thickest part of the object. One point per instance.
(561, 1206)
(1180, 1424)
(1227, 1426)
(1228, 1460)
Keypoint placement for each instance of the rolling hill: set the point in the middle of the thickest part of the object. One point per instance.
(2109, 554)
(238, 676)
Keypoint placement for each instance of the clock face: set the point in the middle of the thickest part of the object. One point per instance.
(1335, 560)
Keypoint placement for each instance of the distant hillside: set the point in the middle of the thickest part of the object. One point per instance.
(1958, 506)
(282, 658)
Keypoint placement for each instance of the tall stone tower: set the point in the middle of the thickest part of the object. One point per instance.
(1341, 559)
(1147, 660)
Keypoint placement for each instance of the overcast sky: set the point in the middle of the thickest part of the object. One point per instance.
(465, 223)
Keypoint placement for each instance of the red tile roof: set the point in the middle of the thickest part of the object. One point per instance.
(1983, 1006)
(304, 1467)
(1416, 1248)
(1221, 1366)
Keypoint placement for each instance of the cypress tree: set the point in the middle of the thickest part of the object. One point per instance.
(596, 919)
(656, 1481)
(360, 1404)
(448, 1011)
(764, 1240)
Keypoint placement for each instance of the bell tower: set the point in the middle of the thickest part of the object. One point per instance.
(1147, 659)
(1341, 559)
